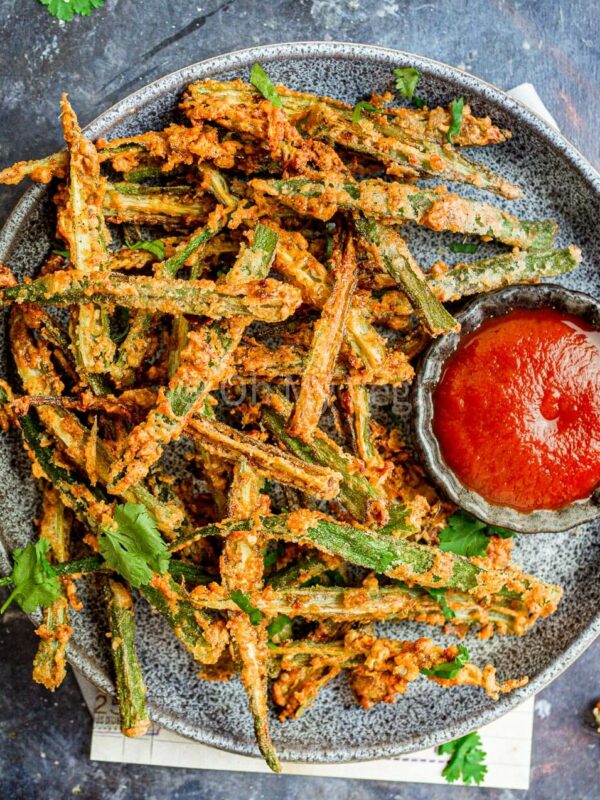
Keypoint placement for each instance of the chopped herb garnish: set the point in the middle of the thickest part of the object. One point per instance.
(135, 549)
(440, 596)
(456, 110)
(33, 578)
(243, 601)
(464, 247)
(261, 81)
(63, 253)
(466, 536)
(154, 246)
(65, 10)
(449, 669)
(280, 628)
(419, 102)
(362, 105)
(466, 760)
(406, 79)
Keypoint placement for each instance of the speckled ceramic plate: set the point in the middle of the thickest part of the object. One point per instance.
(559, 183)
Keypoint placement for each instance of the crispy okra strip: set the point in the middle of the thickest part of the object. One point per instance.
(356, 402)
(326, 342)
(394, 203)
(242, 571)
(133, 350)
(297, 573)
(390, 251)
(237, 106)
(270, 462)
(205, 362)
(492, 273)
(35, 369)
(254, 262)
(413, 563)
(202, 636)
(169, 206)
(49, 663)
(258, 362)
(268, 300)
(131, 689)
(82, 225)
(356, 494)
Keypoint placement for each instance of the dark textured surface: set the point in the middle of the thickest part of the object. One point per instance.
(99, 60)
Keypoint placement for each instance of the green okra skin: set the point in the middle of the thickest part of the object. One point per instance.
(395, 203)
(391, 252)
(271, 462)
(417, 564)
(356, 494)
(299, 572)
(49, 663)
(356, 402)
(242, 570)
(268, 300)
(190, 625)
(87, 235)
(489, 274)
(254, 262)
(131, 690)
(203, 364)
(185, 570)
(161, 205)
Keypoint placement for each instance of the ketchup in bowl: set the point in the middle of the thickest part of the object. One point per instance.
(517, 411)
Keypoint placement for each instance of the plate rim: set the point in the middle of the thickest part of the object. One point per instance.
(286, 51)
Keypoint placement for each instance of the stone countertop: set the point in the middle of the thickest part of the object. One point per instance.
(44, 739)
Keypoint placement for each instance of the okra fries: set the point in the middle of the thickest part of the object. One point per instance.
(206, 428)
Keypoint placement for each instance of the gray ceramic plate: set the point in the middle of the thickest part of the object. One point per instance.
(559, 183)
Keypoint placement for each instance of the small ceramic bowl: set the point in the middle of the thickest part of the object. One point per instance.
(495, 304)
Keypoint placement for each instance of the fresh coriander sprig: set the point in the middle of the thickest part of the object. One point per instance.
(65, 10)
(35, 583)
(466, 536)
(467, 759)
(243, 601)
(449, 669)
(456, 111)
(135, 549)
(406, 79)
(280, 629)
(154, 246)
(261, 81)
(362, 105)
(440, 596)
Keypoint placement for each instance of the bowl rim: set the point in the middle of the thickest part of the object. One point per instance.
(429, 374)
(285, 51)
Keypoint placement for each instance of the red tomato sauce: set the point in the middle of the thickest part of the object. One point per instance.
(517, 411)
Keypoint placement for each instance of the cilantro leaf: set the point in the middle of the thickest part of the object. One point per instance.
(464, 535)
(135, 549)
(449, 669)
(34, 580)
(456, 110)
(261, 81)
(466, 760)
(243, 601)
(280, 628)
(362, 105)
(154, 246)
(464, 247)
(58, 252)
(419, 102)
(406, 81)
(440, 596)
(65, 10)
(503, 533)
